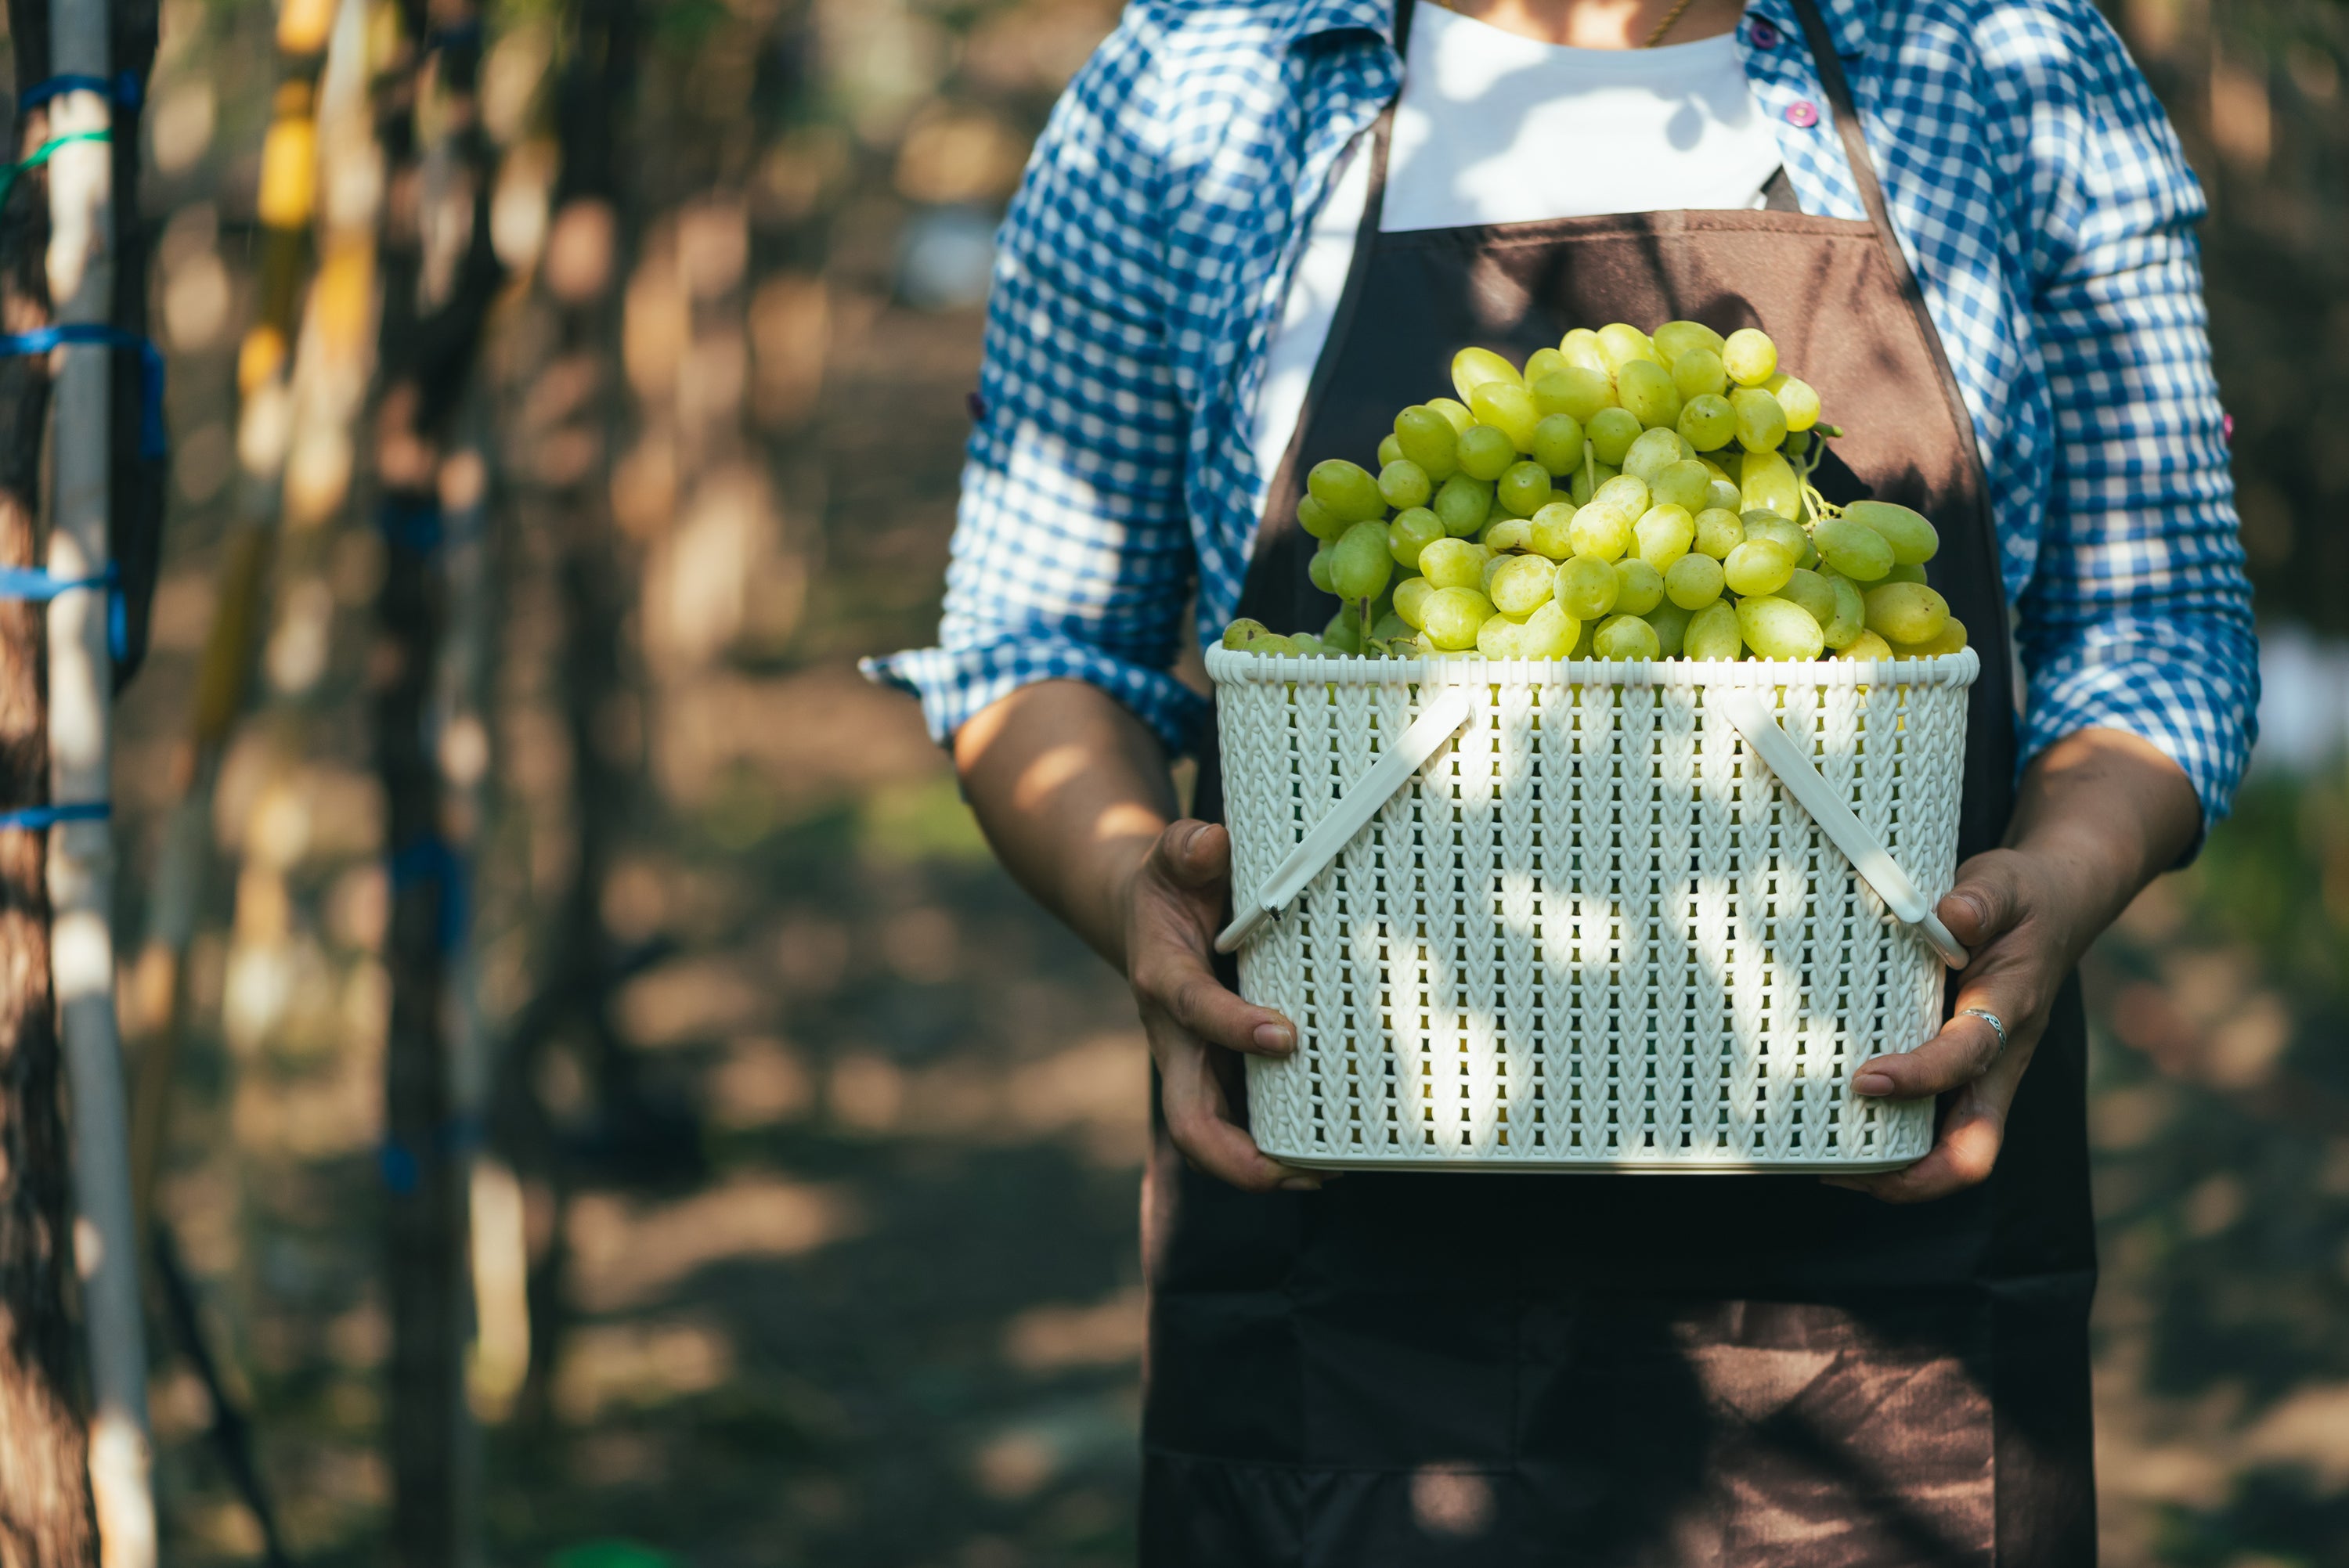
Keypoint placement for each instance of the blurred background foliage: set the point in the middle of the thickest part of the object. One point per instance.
(826, 1186)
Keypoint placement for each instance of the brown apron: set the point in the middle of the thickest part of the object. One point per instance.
(1752, 1371)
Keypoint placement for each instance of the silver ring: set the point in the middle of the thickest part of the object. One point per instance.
(1986, 1016)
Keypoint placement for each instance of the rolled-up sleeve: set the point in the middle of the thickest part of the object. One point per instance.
(2138, 615)
(1072, 556)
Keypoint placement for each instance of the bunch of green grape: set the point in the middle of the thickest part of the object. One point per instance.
(1626, 495)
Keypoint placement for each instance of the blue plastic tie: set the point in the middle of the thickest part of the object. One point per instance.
(38, 818)
(40, 340)
(124, 90)
(30, 584)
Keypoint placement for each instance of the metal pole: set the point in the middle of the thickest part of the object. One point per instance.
(81, 852)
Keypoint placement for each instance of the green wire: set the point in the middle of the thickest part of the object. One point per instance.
(40, 155)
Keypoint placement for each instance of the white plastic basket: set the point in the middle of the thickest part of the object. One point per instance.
(1579, 921)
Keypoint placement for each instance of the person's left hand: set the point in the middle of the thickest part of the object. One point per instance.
(2027, 920)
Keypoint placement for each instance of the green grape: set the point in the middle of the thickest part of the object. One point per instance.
(1523, 487)
(1778, 628)
(1683, 484)
(1453, 563)
(1676, 340)
(1493, 565)
(1486, 452)
(1707, 422)
(1344, 635)
(1665, 533)
(1770, 525)
(1523, 584)
(1410, 597)
(1391, 625)
(1622, 342)
(1749, 357)
(1306, 644)
(1581, 348)
(1652, 454)
(1849, 617)
(1639, 587)
(1318, 570)
(1389, 449)
(1797, 443)
(1587, 634)
(1912, 536)
(1557, 443)
(1428, 439)
(1723, 495)
(1602, 531)
(1403, 484)
(1755, 567)
(1852, 548)
(1463, 504)
(1590, 479)
(1798, 398)
(1244, 630)
(1906, 612)
(1360, 566)
(1626, 490)
(1761, 423)
(1698, 373)
(1692, 582)
(1578, 390)
(1412, 532)
(1719, 530)
(1507, 534)
(1475, 367)
(1814, 592)
(1671, 624)
(1768, 484)
(1455, 414)
(1452, 617)
(1712, 633)
(1727, 464)
(1867, 647)
(1626, 637)
(1551, 530)
(1586, 587)
(1646, 390)
(1509, 408)
(1500, 638)
(1318, 520)
(1905, 574)
(1549, 632)
(1347, 490)
(1542, 362)
(1949, 640)
(1610, 432)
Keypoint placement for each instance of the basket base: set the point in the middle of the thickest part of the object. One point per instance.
(1609, 1166)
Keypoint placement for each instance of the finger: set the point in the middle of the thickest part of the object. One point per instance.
(1987, 899)
(1199, 1119)
(1960, 1053)
(1963, 1155)
(2011, 979)
(1195, 856)
(1176, 981)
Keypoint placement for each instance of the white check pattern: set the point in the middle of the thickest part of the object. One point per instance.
(2037, 186)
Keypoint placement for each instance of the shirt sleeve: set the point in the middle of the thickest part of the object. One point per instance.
(2139, 616)
(1072, 556)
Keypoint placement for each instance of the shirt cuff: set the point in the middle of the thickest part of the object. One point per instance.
(956, 684)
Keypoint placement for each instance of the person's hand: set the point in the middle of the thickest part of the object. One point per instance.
(1173, 905)
(2026, 919)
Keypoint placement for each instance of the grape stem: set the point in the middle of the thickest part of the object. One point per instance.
(1590, 468)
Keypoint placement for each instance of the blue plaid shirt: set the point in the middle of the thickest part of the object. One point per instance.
(2035, 183)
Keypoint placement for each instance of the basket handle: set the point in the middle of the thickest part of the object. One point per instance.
(1354, 809)
(1866, 853)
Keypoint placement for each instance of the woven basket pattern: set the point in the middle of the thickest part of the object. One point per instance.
(1590, 934)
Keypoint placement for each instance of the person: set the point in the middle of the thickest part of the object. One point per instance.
(1254, 230)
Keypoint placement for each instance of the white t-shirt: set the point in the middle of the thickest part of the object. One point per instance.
(1493, 128)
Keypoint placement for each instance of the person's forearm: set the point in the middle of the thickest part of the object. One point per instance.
(2109, 812)
(1072, 789)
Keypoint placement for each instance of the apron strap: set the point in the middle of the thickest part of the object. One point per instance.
(1879, 214)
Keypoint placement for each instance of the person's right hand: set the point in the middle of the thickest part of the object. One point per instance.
(1173, 905)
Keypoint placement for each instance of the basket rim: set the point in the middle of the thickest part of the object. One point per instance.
(1229, 666)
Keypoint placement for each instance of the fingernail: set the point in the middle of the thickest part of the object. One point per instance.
(1874, 1083)
(1277, 1038)
(1301, 1184)
(1191, 842)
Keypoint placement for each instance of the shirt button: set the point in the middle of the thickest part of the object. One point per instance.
(1804, 113)
(1765, 36)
